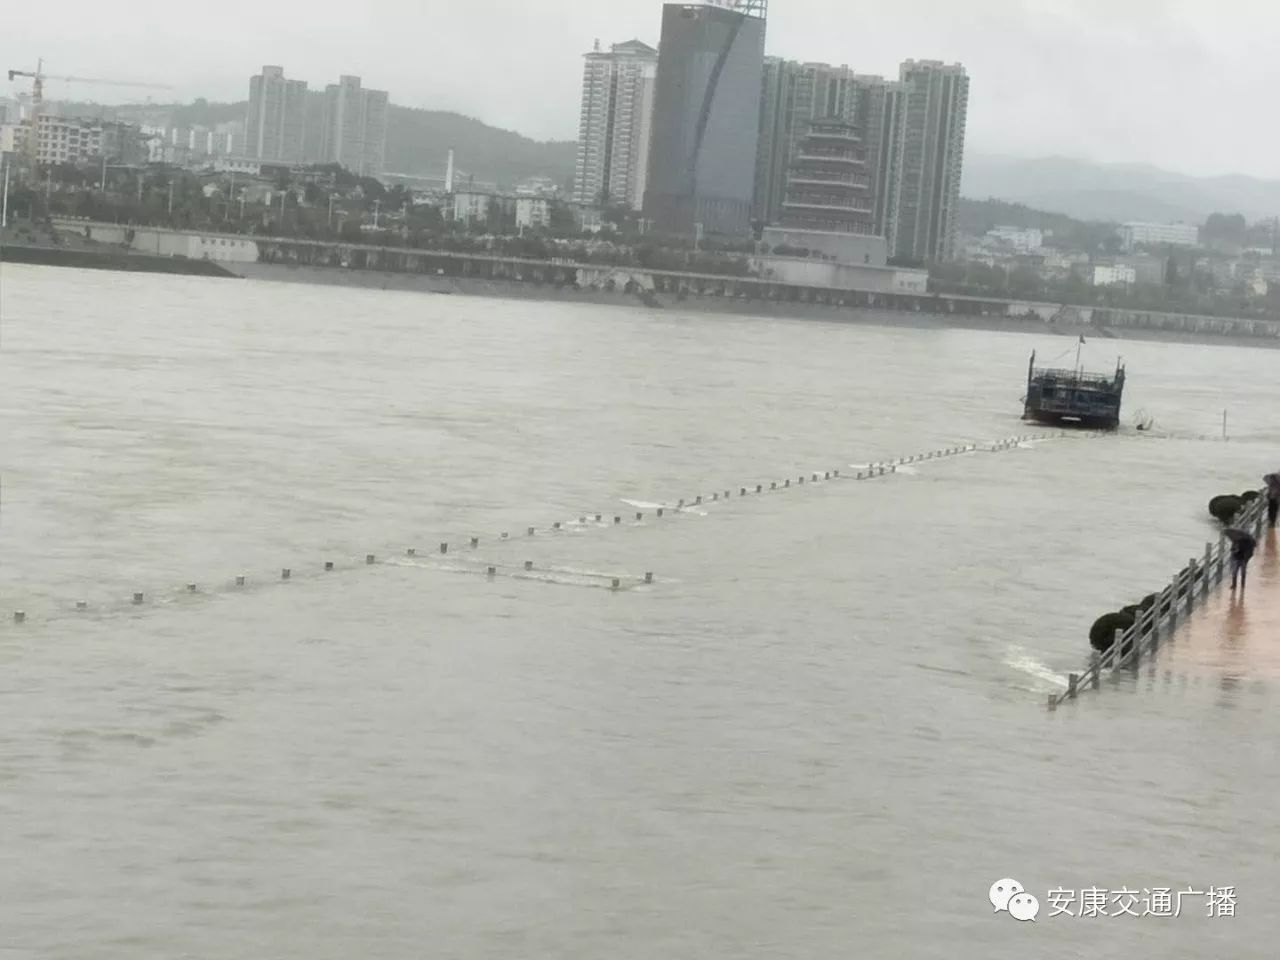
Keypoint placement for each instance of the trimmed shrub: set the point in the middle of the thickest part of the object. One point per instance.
(1102, 633)
(1225, 507)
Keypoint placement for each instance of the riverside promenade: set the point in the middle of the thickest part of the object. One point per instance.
(1199, 621)
(1234, 633)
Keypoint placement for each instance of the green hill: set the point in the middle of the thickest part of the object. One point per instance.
(418, 141)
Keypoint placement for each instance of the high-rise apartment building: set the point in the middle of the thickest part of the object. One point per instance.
(355, 127)
(879, 120)
(276, 120)
(314, 110)
(706, 116)
(935, 105)
(796, 95)
(614, 125)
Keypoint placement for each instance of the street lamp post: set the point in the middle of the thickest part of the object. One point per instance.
(4, 202)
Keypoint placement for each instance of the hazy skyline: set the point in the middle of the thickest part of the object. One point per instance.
(1170, 82)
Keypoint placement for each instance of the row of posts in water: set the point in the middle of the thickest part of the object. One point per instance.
(886, 468)
(1159, 622)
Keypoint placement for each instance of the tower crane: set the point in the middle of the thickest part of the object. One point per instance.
(38, 77)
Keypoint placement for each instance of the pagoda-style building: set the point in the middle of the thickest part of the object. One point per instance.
(828, 187)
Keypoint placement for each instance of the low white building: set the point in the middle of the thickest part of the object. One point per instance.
(840, 276)
(471, 207)
(1113, 275)
(532, 213)
(238, 165)
(13, 137)
(1135, 234)
(1020, 239)
(167, 243)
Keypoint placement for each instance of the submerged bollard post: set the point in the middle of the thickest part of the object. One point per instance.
(1117, 649)
(328, 564)
(759, 488)
(240, 581)
(1191, 586)
(557, 525)
(659, 511)
(835, 473)
(697, 500)
(369, 559)
(774, 485)
(648, 577)
(801, 479)
(1053, 702)
(504, 535)
(528, 564)
(1095, 668)
(787, 483)
(599, 517)
(617, 520)
(726, 494)
(742, 492)
(639, 515)
(615, 584)
(82, 605)
(286, 573)
(715, 497)
(529, 532)
(137, 599)
(191, 588)
(1207, 568)
(582, 519)
(19, 616)
(491, 571)
(1073, 681)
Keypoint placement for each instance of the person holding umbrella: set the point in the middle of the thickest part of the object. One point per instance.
(1242, 546)
(1272, 480)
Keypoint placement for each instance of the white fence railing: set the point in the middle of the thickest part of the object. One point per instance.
(1159, 622)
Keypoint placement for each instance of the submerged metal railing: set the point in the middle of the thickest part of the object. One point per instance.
(1159, 622)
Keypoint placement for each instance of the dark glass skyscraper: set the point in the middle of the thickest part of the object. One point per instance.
(706, 117)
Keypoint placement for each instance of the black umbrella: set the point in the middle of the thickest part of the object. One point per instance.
(1238, 536)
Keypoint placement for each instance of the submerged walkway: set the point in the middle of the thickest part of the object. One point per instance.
(1237, 633)
(1199, 622)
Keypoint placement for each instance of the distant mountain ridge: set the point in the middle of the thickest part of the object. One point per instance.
(418, 141)
(1117, 192)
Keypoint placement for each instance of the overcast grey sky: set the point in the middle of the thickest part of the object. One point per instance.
(1184, 84)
